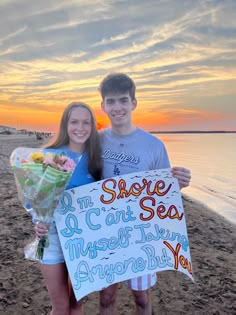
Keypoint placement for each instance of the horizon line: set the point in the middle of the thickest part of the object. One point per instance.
(153, 131)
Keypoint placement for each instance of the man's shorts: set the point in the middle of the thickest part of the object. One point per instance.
(142, 283)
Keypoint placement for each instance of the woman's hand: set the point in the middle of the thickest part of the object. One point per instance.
(41, 229)
(183, 175)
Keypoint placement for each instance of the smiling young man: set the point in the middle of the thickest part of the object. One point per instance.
(127, 149)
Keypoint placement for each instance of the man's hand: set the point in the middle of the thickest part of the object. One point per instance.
(183, 175)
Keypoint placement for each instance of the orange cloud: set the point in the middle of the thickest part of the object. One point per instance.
(178, 119)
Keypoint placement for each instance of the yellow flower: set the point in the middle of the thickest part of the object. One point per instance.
(37, 157)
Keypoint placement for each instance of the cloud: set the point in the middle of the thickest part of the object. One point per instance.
(180, 54)
(12, 35)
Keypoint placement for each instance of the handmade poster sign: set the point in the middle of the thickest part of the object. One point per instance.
(121, 228)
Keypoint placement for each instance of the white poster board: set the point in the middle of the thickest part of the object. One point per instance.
(121, 228)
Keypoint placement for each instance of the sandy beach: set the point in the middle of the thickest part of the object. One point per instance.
(212, 245)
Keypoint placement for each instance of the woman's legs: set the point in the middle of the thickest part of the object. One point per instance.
(56, 279)
(60, 290)
(76, 307)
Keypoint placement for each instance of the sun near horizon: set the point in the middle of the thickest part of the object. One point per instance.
(46, 118)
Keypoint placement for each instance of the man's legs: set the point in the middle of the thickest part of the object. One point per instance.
(108, 300)
(143, 303)
(141, 290)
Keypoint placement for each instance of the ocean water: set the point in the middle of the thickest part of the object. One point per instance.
(212, 161)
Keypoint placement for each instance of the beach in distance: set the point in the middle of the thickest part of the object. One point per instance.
(212, 245)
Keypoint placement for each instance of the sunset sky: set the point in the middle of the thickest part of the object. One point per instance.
(180, 53)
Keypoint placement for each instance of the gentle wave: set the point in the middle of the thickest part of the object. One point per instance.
(212, 161)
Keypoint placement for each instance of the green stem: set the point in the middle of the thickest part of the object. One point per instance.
(43, 242)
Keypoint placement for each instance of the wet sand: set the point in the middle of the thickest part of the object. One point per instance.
(212, 245)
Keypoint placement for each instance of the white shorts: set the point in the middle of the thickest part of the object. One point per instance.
(53, 253)
(142, 283)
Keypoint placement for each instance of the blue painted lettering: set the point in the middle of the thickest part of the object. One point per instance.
(88, 220)
(108, 272)
(65, 204)
(78, 248)
(160, 233)
(71, 226)
(85, 202)
(82, 274)
(117, 216)
(156, 261)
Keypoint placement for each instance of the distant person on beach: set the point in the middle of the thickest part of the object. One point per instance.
(77, 138)
(127, 149)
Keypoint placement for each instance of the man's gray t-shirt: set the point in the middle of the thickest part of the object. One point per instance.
(136, 152)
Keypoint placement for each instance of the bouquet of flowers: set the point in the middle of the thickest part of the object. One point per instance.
(41, 177)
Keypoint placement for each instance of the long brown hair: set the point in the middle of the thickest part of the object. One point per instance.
(92, 145)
